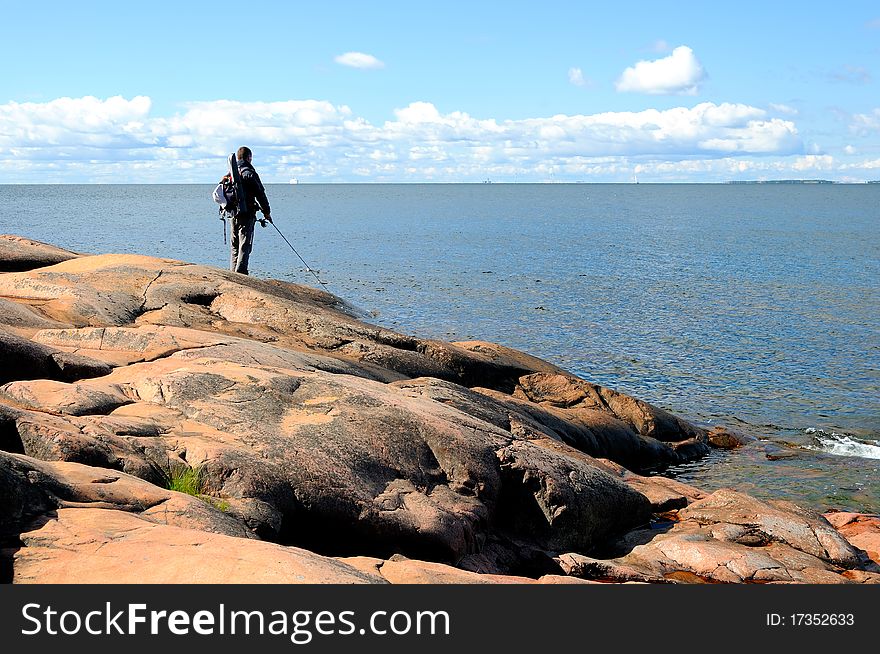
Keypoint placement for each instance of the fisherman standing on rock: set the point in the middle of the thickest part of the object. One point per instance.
(240, 195)
(243, 223)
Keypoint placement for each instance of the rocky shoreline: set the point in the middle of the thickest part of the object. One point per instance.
(321, 449)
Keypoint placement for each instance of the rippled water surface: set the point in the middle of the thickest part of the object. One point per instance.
(751, 305)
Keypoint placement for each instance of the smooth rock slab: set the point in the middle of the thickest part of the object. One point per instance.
(18, 254)
(100, 546)
(777, 521)
(65, 399)
(400, 570)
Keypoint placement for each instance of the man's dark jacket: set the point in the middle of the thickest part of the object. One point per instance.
(253, 189)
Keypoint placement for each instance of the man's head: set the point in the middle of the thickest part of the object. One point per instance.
(244, 154)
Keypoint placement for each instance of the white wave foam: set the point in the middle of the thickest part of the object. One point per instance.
(843, 445)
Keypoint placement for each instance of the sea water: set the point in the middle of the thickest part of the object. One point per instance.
(755, 306)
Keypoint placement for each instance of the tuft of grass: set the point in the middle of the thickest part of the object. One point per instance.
(219, 504)
(185, 479)
(192, 481)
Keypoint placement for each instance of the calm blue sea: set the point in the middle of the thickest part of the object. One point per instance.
(753, 305)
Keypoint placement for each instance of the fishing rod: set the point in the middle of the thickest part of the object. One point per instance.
(309, 268)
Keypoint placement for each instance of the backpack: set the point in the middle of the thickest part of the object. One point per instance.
(224, 195)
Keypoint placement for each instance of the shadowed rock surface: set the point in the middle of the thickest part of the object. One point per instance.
(314, 430)
(26, 359)
(18, 254)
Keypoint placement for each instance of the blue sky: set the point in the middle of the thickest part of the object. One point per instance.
(451, 92)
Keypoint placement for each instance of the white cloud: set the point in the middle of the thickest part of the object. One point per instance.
(679, 73)
(864, 124)
(849, 149)
(576, 76)
(418, 112)
(315, 140)
(783, 109)
(868, 164)
(813, 162)
(358, 60)
(88, 121)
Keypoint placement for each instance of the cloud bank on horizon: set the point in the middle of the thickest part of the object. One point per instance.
(316, 139)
